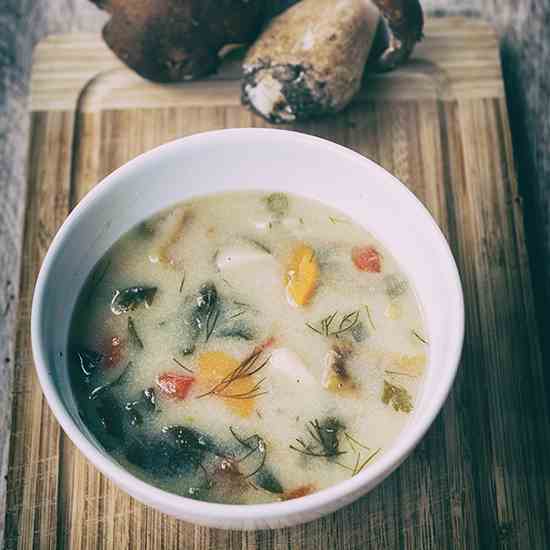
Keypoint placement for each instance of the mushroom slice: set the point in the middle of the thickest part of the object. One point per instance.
(336, 377)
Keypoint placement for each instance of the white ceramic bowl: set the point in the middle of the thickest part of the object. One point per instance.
(249, 159)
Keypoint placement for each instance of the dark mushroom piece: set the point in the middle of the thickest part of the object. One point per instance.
(404, 23)
(310, 60)
(177, 40)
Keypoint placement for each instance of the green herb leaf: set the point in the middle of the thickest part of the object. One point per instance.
(395, 285)
(397, 396)
(130, 298)
(133, 336)
(277, 203)
(325, 442)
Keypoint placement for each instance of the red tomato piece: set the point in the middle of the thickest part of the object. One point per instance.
(366, 258)
(113, 353)
(174, 386)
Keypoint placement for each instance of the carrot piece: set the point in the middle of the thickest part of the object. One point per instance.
(298, 492)
(366, 258)
(214, 367)
(174, 386)
(302, 275)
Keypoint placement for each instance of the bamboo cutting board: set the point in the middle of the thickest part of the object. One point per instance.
(480, 478)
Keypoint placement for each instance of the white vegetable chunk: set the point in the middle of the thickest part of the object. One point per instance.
(286, 362)
(245, 266)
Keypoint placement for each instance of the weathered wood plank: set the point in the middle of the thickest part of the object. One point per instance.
(32, 498)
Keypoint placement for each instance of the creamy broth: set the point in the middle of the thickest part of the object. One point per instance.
(247, 347)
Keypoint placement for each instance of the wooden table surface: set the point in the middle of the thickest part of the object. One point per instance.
(524, 26)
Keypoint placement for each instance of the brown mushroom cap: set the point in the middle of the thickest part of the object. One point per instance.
(174, 40)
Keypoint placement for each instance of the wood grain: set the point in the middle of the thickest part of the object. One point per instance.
(480, 478)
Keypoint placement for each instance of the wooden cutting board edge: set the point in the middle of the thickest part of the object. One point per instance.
(63, 92)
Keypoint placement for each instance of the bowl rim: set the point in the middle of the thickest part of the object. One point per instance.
(201, 510)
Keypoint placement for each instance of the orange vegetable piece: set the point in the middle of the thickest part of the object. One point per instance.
(298, 492)
(366, 258)
(174, 386)
(302, 275)
(214, 366)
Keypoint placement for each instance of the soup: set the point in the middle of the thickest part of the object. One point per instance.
(247, 347)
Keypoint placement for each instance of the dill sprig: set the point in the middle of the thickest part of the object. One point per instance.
(328, 328)
(352, 442)
(182, 282)
(324, 436)
(358, 468)
(133, 335)
(360, 460)
(238, 314)
(418, 337)
(395, 373)
(337, 220)
(370, 317)
(307, 450)
(180, 364)
(211, 320)
(260, 447)
(246, 369)
(310, 326)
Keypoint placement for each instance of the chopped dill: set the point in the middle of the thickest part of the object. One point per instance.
(314, 329)
(180, 364)
(324, 442)
(337, 220)
(351, 440)
(395, 373)
(346, 324)
(418, 337)
(182, 283)
(211, 320)
(370, 317)
(253, 444)
(238, 314)
(245, 369)
(359, 469)
(133, 336)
